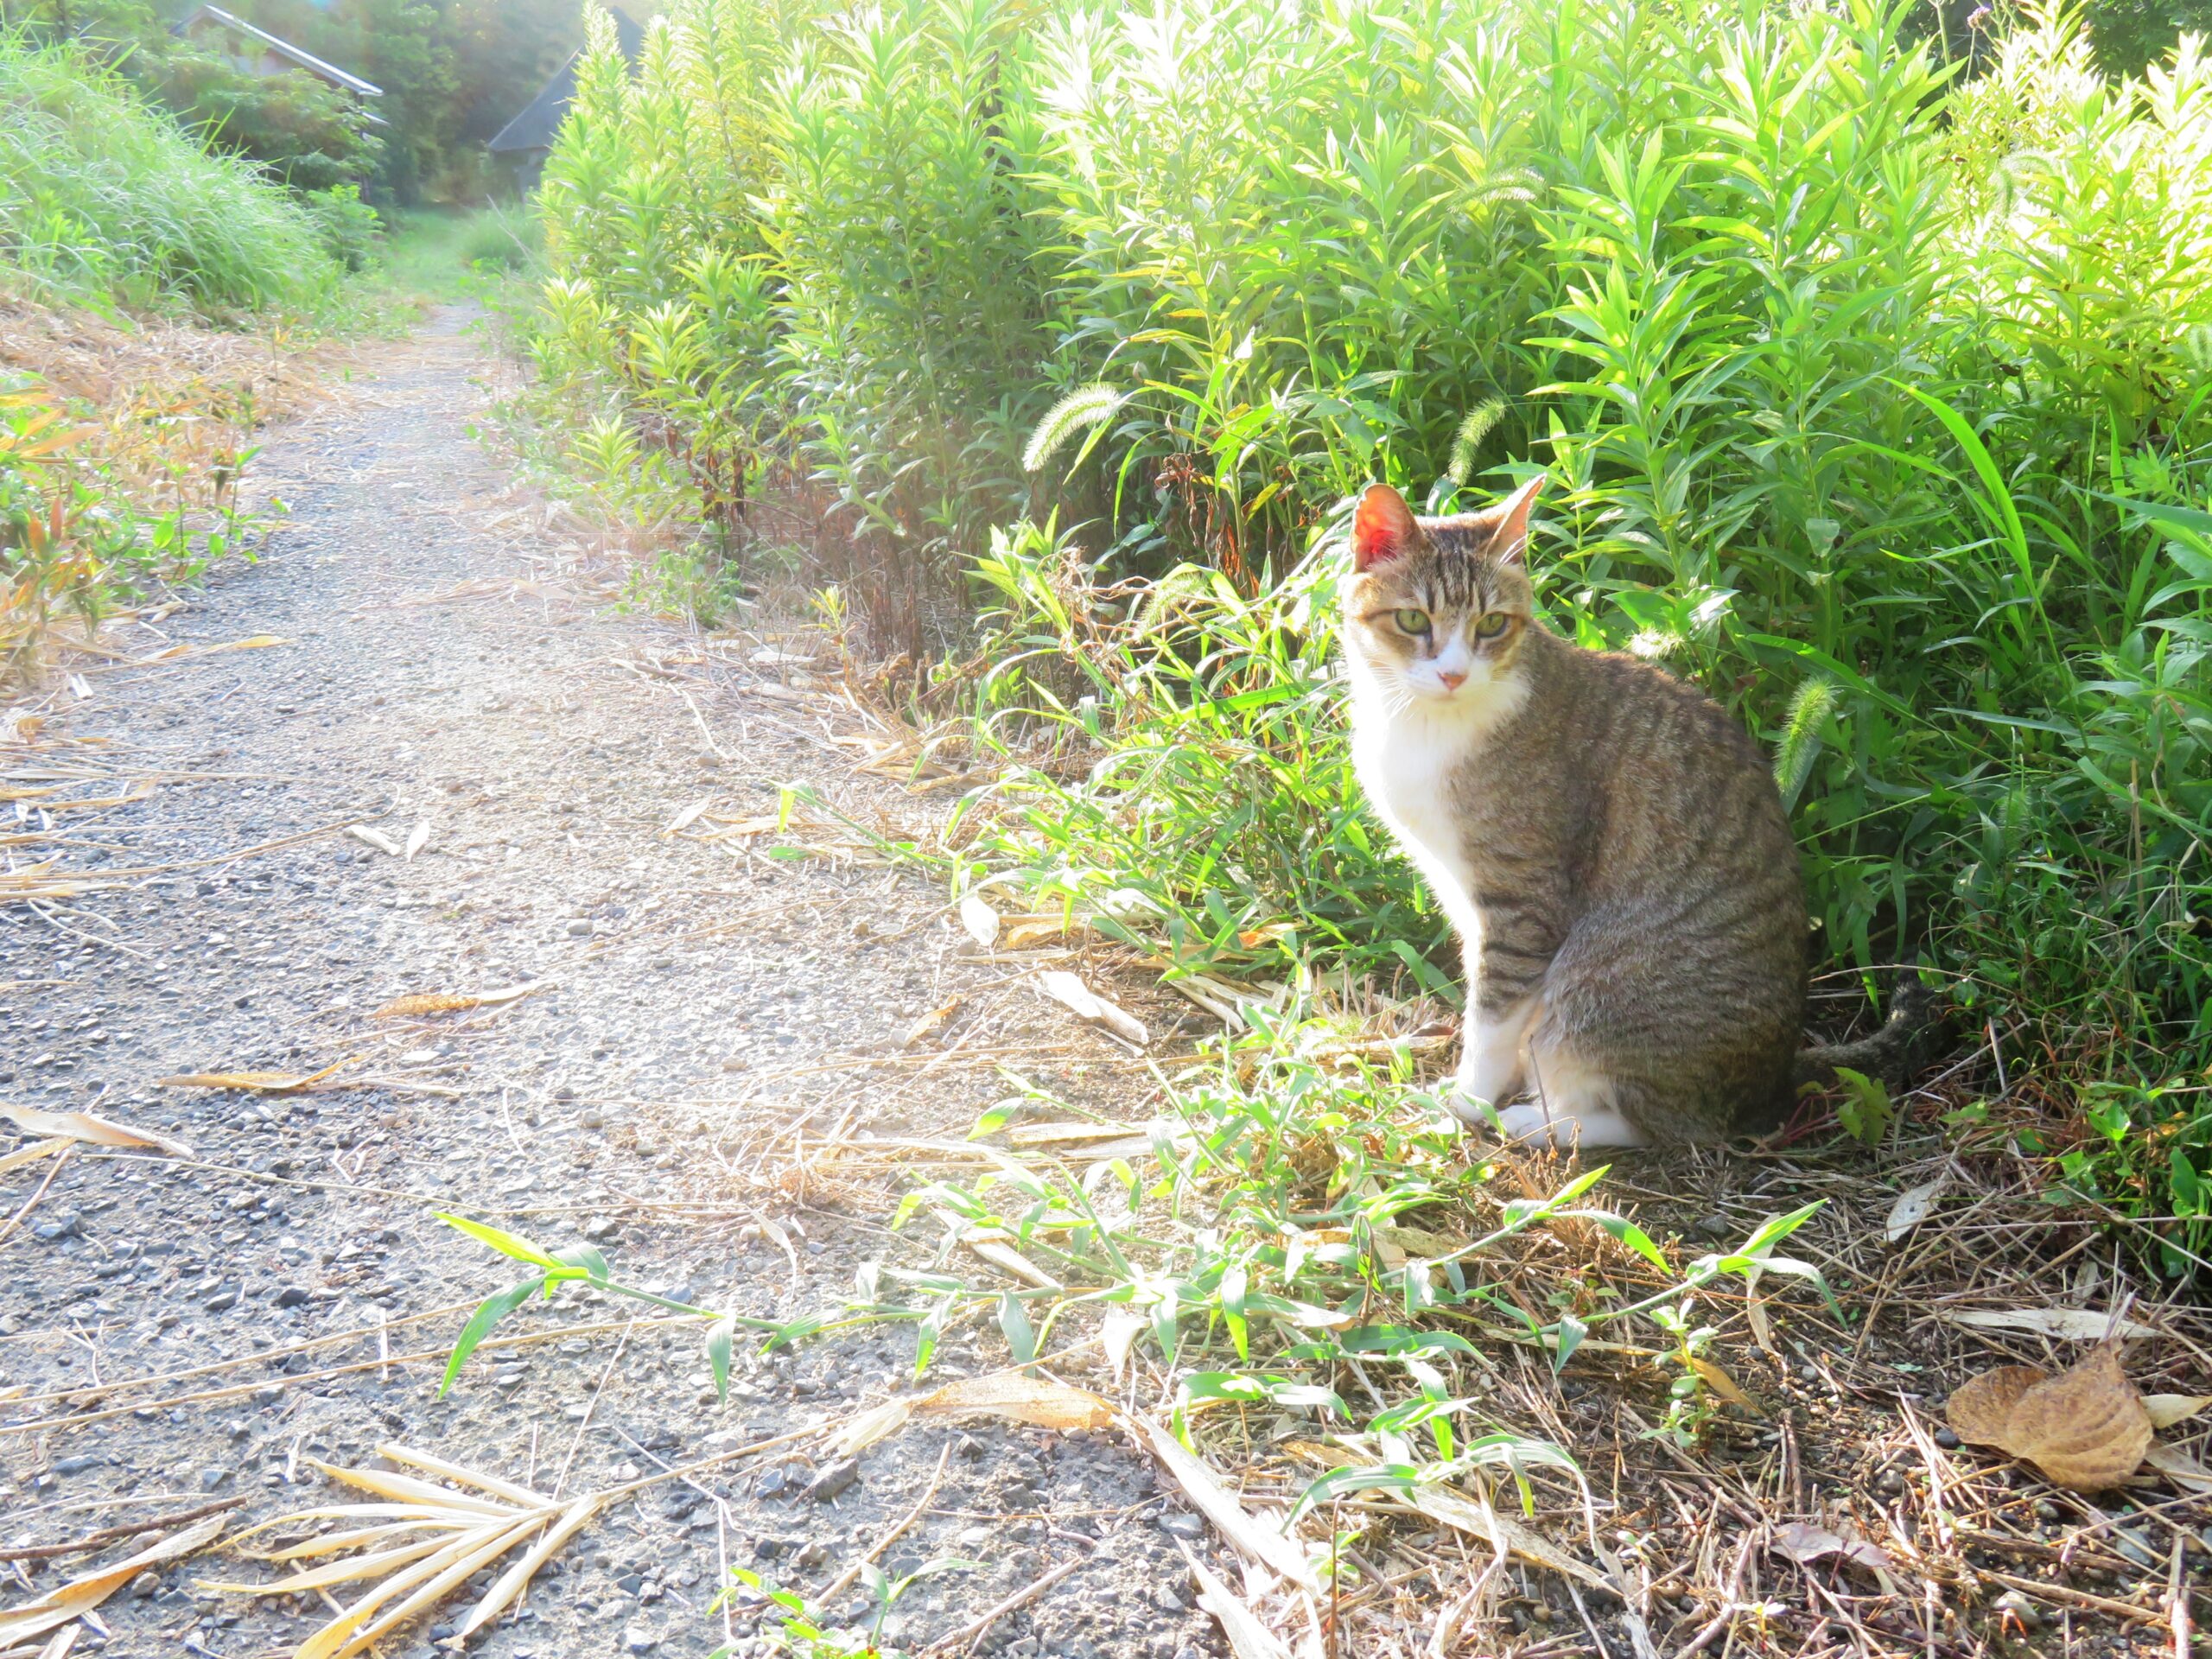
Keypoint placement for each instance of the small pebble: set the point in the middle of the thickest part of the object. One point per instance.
(1180, 1523)
(292, 1296)
(215, 1479)
(1948, 1440)
(837, 1478)
(581, 928)
(77, 1466)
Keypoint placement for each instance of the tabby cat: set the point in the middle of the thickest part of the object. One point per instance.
(1607, 842)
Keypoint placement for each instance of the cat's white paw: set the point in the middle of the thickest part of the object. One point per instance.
(1530, 1121)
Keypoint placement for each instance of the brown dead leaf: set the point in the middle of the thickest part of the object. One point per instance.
(440, 1002)
(2085, 1429)
(1022, 931)
(931, 1023)
(1800, 1541)
(80, 1596)
(87, 1126)
(1978, 1410)
(265, 1083)
(1715, 1376)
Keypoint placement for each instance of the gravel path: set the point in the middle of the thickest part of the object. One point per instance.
(707, 1017)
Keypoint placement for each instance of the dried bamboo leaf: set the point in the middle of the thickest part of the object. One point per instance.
(2178, 1466)
(406, 1488)
(344, 1633)
(2066, 1324)
(266, 1083)
(36, 1151)
(428, 1595)
(931, 1023)
(447, 1002)
(687, 817)
(177, 653)
(1247, 1637)
(1007, 1259)
(80, 1595)
(1912, 1206)
(1479, 1518)
(1027, 1399)
(877, 1423)
(1246, 1532)
(369, 837)
(430, 1464)
(513, 1582)
(374, 1565)
(417, 839)
(330, 1544)
(87, 1126)
(2167, 1409)
(1088, 1005)
(980, 919)
(1715, 1376)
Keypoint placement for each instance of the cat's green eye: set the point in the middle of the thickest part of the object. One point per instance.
(1491, 624)
(1413, 622)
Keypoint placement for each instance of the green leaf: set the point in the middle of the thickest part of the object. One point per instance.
(1567, 1337)
(1013, 1321)
(720, 1338)
(506, 1243)
(488, 1313)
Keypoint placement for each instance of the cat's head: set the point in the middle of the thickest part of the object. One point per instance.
(1437, 609)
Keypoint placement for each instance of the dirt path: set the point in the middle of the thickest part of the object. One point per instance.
(708, 1016)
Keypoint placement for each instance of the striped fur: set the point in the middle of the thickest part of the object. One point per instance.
(1608, 842)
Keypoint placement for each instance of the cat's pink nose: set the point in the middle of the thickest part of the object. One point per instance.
(1452, 681)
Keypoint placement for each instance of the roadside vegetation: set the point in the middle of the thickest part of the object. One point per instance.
(157, 298)
(1873, 394)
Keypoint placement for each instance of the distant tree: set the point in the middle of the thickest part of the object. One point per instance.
(307, 132)
(503, 51)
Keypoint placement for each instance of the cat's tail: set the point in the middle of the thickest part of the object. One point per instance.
(1905, 1045)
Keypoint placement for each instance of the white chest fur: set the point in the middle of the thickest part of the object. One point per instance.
(1414, 761)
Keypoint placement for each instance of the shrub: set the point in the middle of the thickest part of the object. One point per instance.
(1879, 405)
(100, 189)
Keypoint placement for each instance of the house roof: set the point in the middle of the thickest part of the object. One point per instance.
(282, 48)
(540, 118)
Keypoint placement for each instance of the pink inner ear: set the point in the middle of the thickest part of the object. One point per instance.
(1381, 527)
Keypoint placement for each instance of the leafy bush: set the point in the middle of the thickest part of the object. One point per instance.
(1880, 406)
(99, 190)
(309, 135)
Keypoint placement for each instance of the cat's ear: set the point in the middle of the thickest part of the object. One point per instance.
(1382, 528)
(1509, 537)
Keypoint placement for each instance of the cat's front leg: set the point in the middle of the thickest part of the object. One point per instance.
(1491, 1057)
